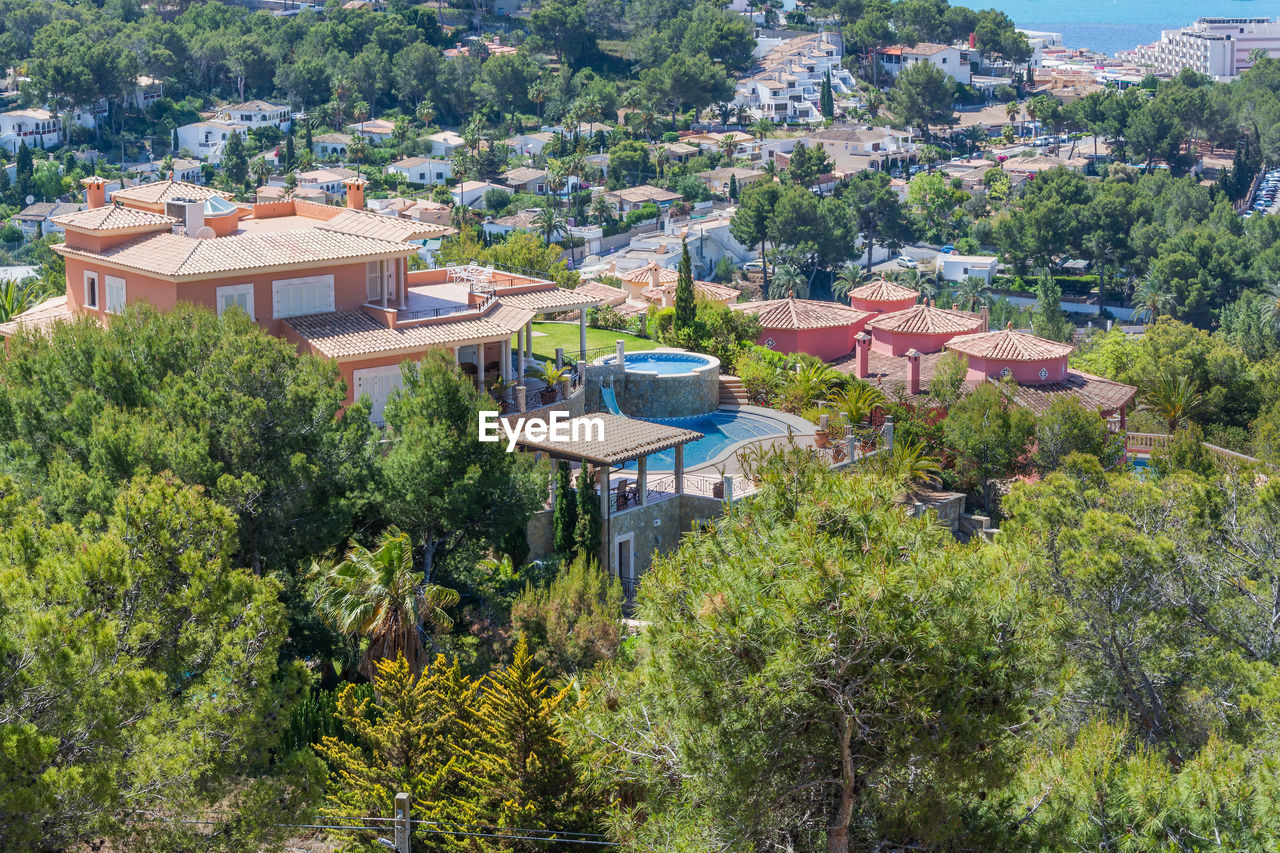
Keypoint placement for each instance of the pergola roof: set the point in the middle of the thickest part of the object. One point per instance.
(624, 439)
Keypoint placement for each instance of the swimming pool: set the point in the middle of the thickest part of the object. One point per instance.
(720, 430)
(665, 363)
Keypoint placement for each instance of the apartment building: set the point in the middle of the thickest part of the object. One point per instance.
(258, 113)
(859, 148)
(1222, 48)
(784, 87)
(950, 59)
(206, 140)
(37, 128)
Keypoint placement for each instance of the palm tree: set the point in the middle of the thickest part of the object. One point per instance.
(359, 145)
(917, 281)
(260, 170)
(858, 402)
(1173, 399)
(1011, 110)
(1152, 299)
(15, 297)
(727, 146)
(601, 210)
(908, 464)
(972, 292)
(761, 128)
(814, 381)
(847, 279)
(550, 222)
(381, 595)
(425, 112)
(875, 101)
(788, 281)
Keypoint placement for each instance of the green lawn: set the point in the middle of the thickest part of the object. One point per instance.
(566, 335)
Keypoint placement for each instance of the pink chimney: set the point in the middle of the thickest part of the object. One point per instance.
(913, 370)
(862, 342)
(355, 192)
(95, 191)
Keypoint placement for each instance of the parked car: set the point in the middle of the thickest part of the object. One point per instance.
(947, 249)
(757, 266)
(907, 262)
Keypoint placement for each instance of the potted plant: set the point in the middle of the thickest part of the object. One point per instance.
(550, 375)
(717, 488)
(498, 388)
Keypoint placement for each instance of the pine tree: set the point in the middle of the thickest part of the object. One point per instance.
(519, 772)
(408, 737)
(686, 310)
(1049, 320)
(235, 163)
(24, 169)
(825, 100)
(565, 514)
(586, 528)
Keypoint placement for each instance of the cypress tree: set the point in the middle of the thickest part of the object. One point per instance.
(733, 187)
(586, 528)
(289, 150)
(24, 169)
(826, 102)
(565, 513)
(686, 311)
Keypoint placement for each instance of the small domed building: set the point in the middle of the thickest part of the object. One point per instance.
(1004, 354)
(923, 327)
(823, 329)
(882, 297)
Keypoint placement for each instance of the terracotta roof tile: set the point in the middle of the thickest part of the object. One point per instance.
(347, 334)
(882, 290)
(602, 294)
(624, 439)
(555, 299)
(39, 316)
(179, 256)
(1008, 345)
(642, 275)
(1105, 395)
(112, 218)
(927, 320)
(802, 314)
(159, 192)
(362, 223)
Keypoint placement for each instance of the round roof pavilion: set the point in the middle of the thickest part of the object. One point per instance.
(826, 330)
(1028, 359)
(922, 327)
(882, 297)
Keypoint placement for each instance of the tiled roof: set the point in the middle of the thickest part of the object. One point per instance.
(1008, 345)
(601, 294)
(707, 289)
(40, 316)
(882, 290)
(624, 439)
(523, 175)
(348, 334)
(112, 218)
(802, 314)
(1105, 395)
(642, 275)
(927, 320)
(180, 256)
(256, 106)
(554, 299)
(364, 224)
(162, 191)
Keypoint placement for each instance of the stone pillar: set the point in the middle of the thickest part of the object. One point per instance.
(582, 333)
(913, 370)
(559, 357)
(728, 490)
(621, 348)
(520, 351)
(863, 345)
(504, 369)
(887, 432)
(522, 398)
(642, 479)
(679, 469)
(528, 340)
(851, 445)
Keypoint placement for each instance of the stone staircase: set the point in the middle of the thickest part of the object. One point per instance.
(732, 392)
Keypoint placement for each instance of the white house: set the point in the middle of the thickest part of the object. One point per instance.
(255, 114)
(422, 170)
(328, 180)
(528, 144)
(444, 143)
(471, 193)
(785, 86)
(36, 220)
(205, 140)
(856, 148)
(959, 267)
(37, 128)
(377, 130)
(331, 145)
(951, 60)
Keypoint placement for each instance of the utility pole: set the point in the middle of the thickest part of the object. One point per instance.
(403, 825)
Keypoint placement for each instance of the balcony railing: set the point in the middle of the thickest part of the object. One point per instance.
(444, 310)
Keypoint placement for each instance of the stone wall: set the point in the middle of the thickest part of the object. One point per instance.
(651, 395)
(540, 535)
(674, 517)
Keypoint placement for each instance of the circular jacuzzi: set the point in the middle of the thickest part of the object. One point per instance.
(658, 384)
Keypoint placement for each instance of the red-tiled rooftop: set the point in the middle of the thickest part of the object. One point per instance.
(1009, 345)
(1096, 392)
(882, 290)
(927, 320)
(794, 313)
(111, 218)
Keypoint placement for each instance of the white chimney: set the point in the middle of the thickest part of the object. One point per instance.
(193, 216)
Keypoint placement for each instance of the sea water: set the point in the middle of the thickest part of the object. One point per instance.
(1109, 26)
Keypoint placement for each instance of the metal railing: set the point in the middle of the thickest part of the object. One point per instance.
(444, 311)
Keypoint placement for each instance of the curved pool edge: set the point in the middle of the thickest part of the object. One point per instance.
(799, 426)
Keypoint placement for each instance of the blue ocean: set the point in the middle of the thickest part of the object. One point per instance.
(1113, 25)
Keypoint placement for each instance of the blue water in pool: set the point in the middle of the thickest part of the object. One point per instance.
(719, 429)
(664, 363)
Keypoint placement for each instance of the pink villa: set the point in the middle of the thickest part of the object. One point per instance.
(823, 329)
(333, 280)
